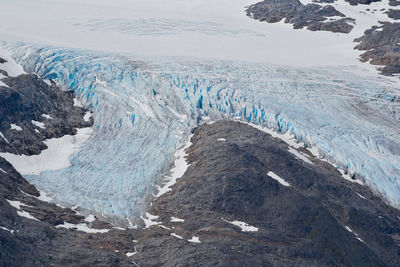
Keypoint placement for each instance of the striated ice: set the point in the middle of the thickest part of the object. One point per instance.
(145, 107)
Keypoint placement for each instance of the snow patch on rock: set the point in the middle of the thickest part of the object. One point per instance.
(15, 127)
(55, 157)
(243, 226)
(278, 178)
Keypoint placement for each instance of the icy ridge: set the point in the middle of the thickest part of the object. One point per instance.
(144, 108)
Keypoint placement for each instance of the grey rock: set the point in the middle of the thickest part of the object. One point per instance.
(27, 98)
(312, 16)
(394, 2)
(300, 225)
(362, 2)
(381, 44)
(393, 14)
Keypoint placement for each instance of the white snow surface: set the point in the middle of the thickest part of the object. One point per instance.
(15, 127)
(38, 124)
(90, 218)
(243, 226)
(12, 68)
(177, 171)
(360, 195)
(194, 239)
(17, 204)
(148, 220)
(83, 227)
(6, 229)
(355, 234)
(26, 214)
(174, 219)
(278, 178)
(47, 116)
(87, 116)
(55, 157)
(177, 236)
(197, 28)
(2, 83)
(4, 138)
(130, 254)
(300, 155)
(44, 197)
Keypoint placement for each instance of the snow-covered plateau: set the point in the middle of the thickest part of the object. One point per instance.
(155, 77)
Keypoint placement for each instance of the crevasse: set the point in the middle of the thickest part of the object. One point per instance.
(145, 107)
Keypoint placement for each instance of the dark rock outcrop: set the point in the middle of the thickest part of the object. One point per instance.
(28, 98)
(319, 220)
(393, 14)
(312, 16)
(362, 2)
(381, 44)
(28, 242)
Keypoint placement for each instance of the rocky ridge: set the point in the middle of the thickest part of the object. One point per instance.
(381, 44)
(311, 216)
(312, 16)
(32, 111)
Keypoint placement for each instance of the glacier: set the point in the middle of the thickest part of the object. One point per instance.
(146, 107)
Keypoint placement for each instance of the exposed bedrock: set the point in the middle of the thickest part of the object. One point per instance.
(320, 219)
(28, 232)
(37, 242)
(312, 16)
(381, 44)
(32, 111)
(394, 2)
(393, 14)
(362, 2)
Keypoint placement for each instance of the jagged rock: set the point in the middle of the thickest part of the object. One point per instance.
(319, 220)
(28, 98)
(37, 242)
(362, 2)
(394, 2)
(324, 1)
(393, 14)
(314, 17)
(382, 46)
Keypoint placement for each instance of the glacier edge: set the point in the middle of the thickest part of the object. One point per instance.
(146, 106)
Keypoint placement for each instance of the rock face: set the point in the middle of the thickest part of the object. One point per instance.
(393, 14)
(320, 219)
(382, 47)
(29, 242)
(362, 2)
(394, 2)
(38, 111)
(27, 224)
(312, 16)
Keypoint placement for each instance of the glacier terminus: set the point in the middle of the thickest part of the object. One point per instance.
(145, 107)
